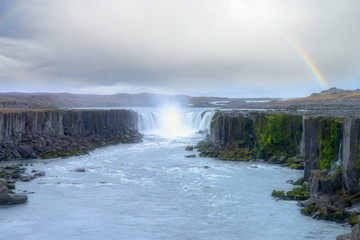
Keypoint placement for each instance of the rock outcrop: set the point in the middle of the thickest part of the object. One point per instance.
(324, 143)
(53, 133)
(321, 142)
(351, 154)
(255, 135)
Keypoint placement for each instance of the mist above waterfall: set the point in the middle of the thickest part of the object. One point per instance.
(173, 121)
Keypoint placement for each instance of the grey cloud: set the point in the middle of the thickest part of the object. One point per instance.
(177, 45)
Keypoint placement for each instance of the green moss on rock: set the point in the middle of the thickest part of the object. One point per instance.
(278, 133)
(213, 121)
(278, 194)
(300, 181)
(189, 148)
(298, 193)
(329, 142)
(353, 220)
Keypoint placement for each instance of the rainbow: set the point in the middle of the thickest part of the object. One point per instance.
(17, 8)
(309, 63)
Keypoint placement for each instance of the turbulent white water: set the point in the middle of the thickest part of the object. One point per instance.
(151, 191)
(173, 122)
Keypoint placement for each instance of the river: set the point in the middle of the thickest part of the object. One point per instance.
(151, 191)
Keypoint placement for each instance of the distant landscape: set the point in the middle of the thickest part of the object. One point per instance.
(67, 100)
(331, 99)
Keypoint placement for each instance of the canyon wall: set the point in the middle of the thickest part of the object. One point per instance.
(315, 143)
(53, 133)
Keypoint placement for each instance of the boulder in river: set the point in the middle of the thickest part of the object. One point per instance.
(39, 174)
(3, 189)
(10, 199)
(79, 170)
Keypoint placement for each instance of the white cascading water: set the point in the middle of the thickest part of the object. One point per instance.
(148, 120)
(302, 143)
(338, 163)
(172, 121)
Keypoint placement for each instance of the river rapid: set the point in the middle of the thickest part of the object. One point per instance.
(151, 190)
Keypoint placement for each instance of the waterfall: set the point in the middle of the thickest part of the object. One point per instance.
(338, 163)
(206, 120)
(174, 119)
(302, 143)
(148, 121)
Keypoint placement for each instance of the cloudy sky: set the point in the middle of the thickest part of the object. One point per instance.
(237, 48)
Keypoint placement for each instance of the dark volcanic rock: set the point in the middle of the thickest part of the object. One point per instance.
(351, 153)
(355, 233)
(39, 174)
(3, 189)
(79, 170)
(321, 183)
(26, 151)
(55, 133)
(9, 199)
(27, 178)
(17, 198)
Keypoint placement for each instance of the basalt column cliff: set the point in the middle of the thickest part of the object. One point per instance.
(53, 133)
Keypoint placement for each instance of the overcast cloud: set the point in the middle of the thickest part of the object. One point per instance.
(197, 47)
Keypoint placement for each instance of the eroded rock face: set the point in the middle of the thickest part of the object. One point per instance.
(321, 143)
(53, 133)
(310, 141)
(234, 127)
(320, 183)
(351, 154)
(257, 135)
(101, 123)
(325, 140)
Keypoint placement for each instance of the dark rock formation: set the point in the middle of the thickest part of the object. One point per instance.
(79, 170)
(355, 233)
(320, 143)
(11, 199)
(7, 197)
(53, 133)
(351, 154)
(255, 135)
(9, 175)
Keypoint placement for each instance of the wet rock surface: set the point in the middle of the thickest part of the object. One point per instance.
(79, 170)
(9, 175)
